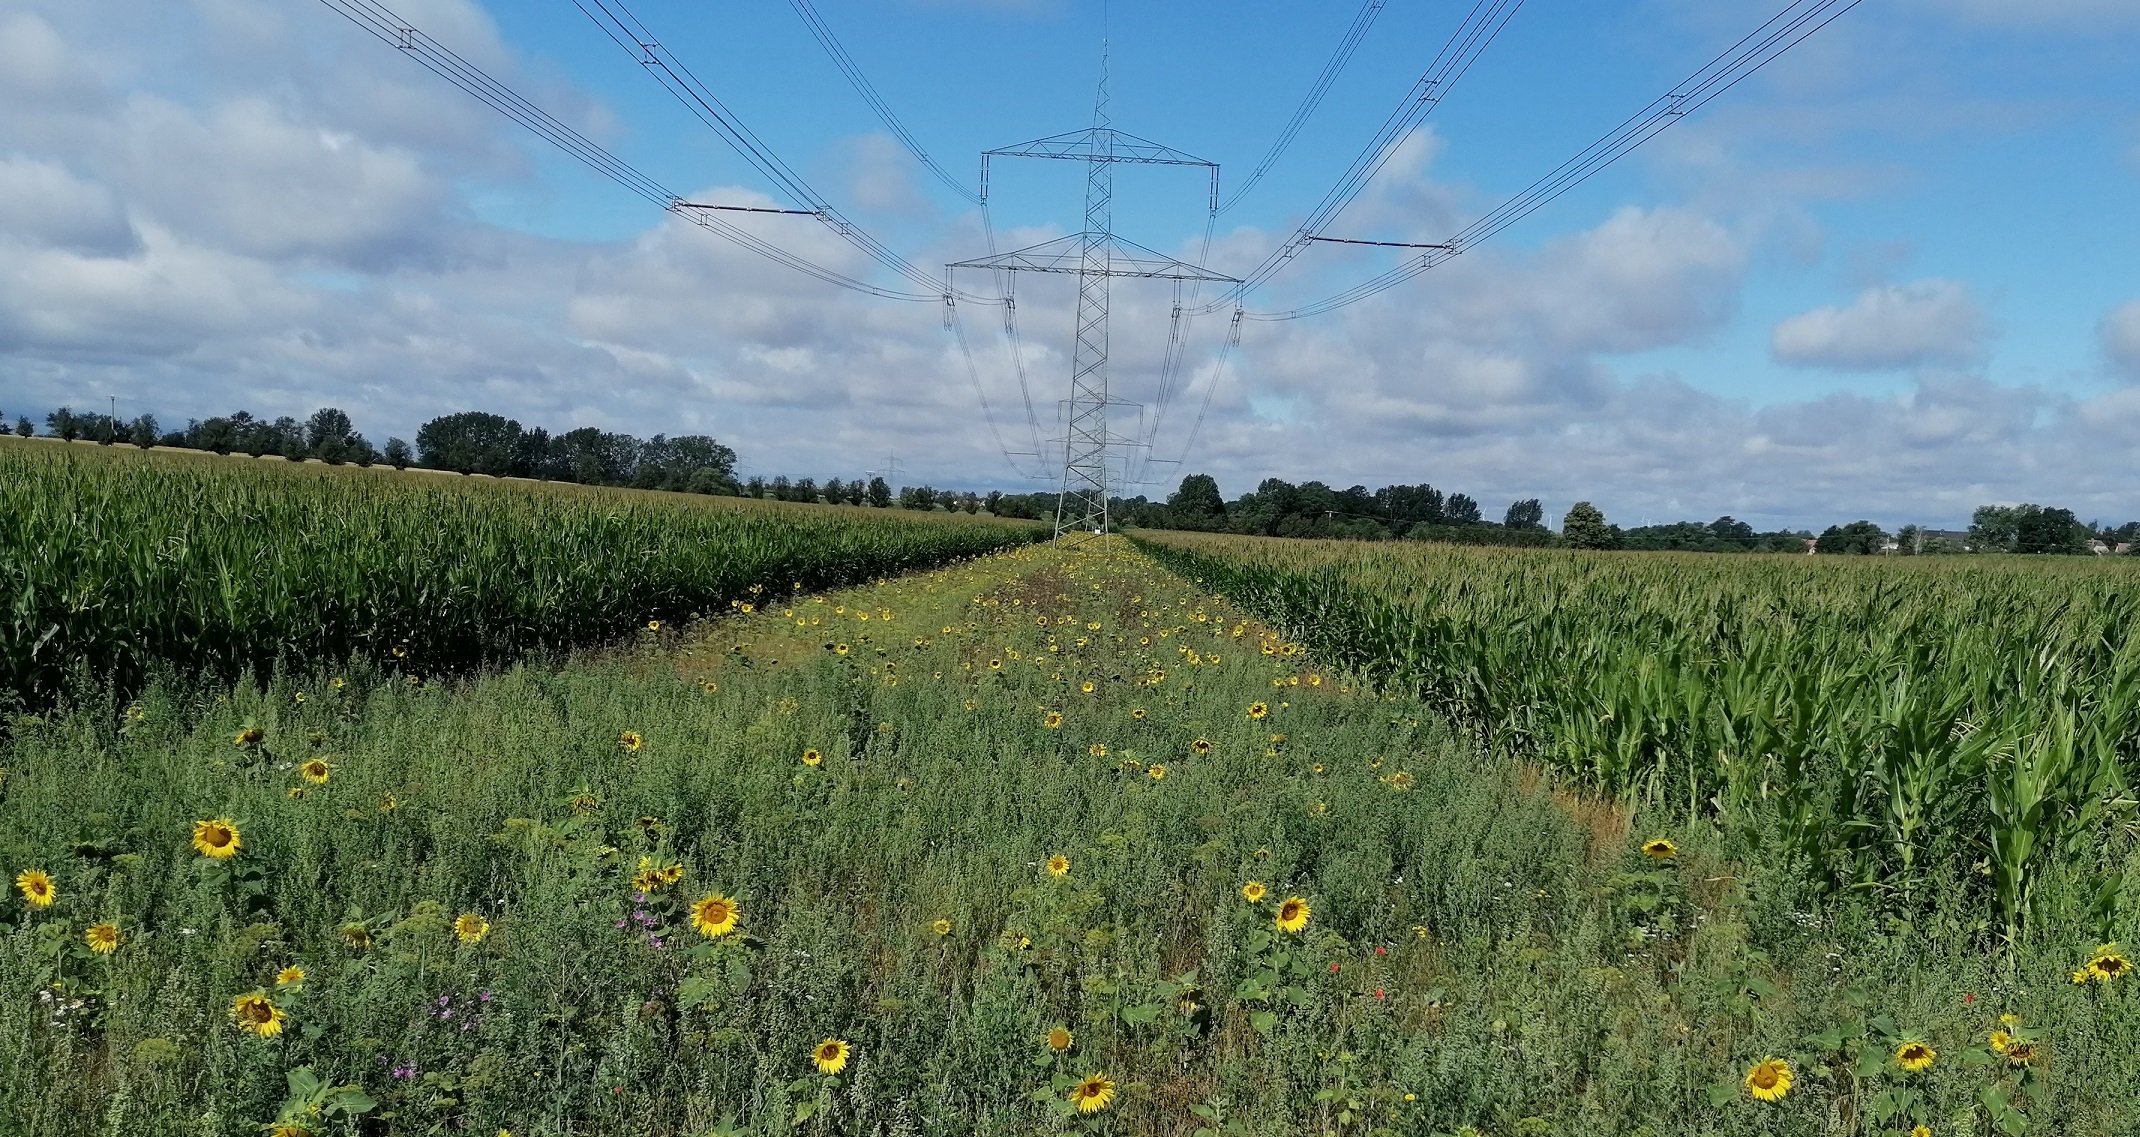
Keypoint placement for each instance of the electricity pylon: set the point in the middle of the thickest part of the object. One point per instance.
(1097, 256)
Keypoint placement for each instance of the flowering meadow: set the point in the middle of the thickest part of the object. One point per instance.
(1049, 841)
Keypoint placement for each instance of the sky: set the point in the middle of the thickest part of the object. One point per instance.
(1894, 275)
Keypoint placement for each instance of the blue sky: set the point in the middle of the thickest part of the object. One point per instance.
(1893, 275)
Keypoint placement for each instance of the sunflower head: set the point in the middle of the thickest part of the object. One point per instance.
(249, 736)
(254, 1012)
(811, 757)
(1137, 713)
(315, 770)
(1053, 720)
(1058, 865)
(709, 686)
(941, 926)
(1292, 914)
(37, 888)
(2000, 1041)
(218, 838)
(1156, 771)
(2109, 963)
(470, 928)
(1659, 849)
(2020, 1052)
(1060, 1039)
(1254, 892)
(1097, 750)
(1201, 746)
(356, 937)
(1769, 1080)
(102, 938)
(830, 1056)
(1092, 1094)
(1258, 710)
(630, 740)
(1915, 1056)
(1921, 1131)
(715, 915)
(1088, 686)
(291, 976)
(653, 625)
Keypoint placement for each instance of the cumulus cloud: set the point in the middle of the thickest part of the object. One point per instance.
(2120, 332)
(1893, 326)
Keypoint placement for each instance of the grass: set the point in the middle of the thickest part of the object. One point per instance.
(1488, 950)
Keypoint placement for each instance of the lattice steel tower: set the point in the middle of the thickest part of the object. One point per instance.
(1097, 256)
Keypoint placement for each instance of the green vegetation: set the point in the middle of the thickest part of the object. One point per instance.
(111, 562)
(1950, 736)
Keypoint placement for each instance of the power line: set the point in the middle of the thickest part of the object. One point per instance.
(1780, 33)
(822, 32)
(1354, 35)
(390, 29)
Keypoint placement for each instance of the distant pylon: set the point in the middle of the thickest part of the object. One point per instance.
(1097, 256)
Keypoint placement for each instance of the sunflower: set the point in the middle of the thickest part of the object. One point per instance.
(249, 736)
(1137, 713)
(37, 888)
(941, 927)
(1921, 1131)
(653, 625)
(2000, 1041)
(1915, 1056)
(1769, 1080)
(830, 1056)
(1053, 720)
(2108, 963)
(1092, 1094)
(1156, 772)
(630, 740)
(1060, 1039)
(1058, 865)
(841, 649)
(218, 839)
(1293, 913)
(470, 928)
(1258, 710)
(255, 1012)
(709, 686)
(291, 976)
(811, 757)
(2020, 1052)
(1097, 750)
(995, 665)
(103, 938)
(1088, 686)
(1201, 746)
(715, 915)
(670, 874)
(356, 936)
(298, 1129)
(315, 770)
(1254, 892)
(1659, 849)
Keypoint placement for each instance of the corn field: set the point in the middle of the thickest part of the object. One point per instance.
(1931, 732)
(111, 564)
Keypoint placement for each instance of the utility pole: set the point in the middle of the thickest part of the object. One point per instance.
(1097, 256)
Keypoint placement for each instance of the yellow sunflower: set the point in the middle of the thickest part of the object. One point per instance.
(315, 770)
(630, 740)
(103, 938)
(1201, 746)
(1058, 865)
(1659, 849)
(1097, 750)
(218, 838)
(291, 976)
(1921, 1131)
(811, 757)
(653, 625)
(255, 1012)
(1093, 1093)
(1254, 892)
(1053, 720)
(1060, 1039)
(1258, 710)
(2000, 1040)
(1088, 687)
(830, 1056)
(249, 736)
(470, 928)
(670, 874)
(37, 888)
(1293, 913)
(715, 915)
(1915, 1056)
(709, 686)
(1769, 1080)
(2108, 963)
(841, 649)
(941, 927)
(1137, 713)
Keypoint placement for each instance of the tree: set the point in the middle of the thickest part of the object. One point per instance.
(994, 503)
(1461, 510)
(970, 502)
(1197, 503)
(835, 491)
(359, 449)
(880, 493)
(397, 454)
(1910, 540)
(2046, 530)
(1584, 527)
(917, 497)
(1525, 514)
(327, 434)
(62, 424)
(23, 429)
(1859, 537)
(143, 432)
(289, 439)
(470, 442)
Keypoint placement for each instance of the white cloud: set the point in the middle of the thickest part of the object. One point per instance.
(1894, 326)
(2120, 332)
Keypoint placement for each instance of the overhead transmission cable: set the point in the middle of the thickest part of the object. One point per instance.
(1782, 32)
(440, 60)
(822, 32)
(628, 32)
(1354, 35)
